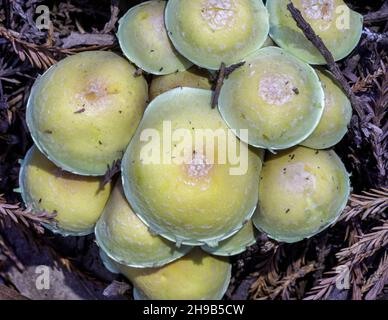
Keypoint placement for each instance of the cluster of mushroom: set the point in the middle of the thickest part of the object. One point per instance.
(167, 226)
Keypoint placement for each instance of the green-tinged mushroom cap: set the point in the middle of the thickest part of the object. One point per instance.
(336, 115)
(209, 32)
(192, 78)
(237, 243)
(144, 40)
(83, 111)
(122, 235)
(196, 276)
(277, 97)
(301, 192)
(77, 200)
(182, 163)
(333, 21)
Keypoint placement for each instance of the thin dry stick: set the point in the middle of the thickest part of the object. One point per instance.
(223, 73)
(114, 15)
(219, 83)
(378, 16)
(110, 173)
(333, 67)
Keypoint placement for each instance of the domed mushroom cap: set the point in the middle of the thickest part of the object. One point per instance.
(127, 240)
(181, 164)
(301, 192)
(336, 115)
(196, 276)
(83, 111)
(144, 40)
(338, 26)
(235, 244)
(77, 200)
(192, 78)
(209, 32)
(277, 97)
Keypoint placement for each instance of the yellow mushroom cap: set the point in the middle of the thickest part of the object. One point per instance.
(336, 115)
(127, 240)
(192, 78)
(77, 200)
(235, 244)
(144, 40)
(334, 22)
(83, 111)
(178, 190)
(301, 192)
(196, 276)
(277, 97)
(209, 32)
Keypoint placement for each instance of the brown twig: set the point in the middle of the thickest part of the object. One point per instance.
(219, 83)
(378, 16)
(333, 67)
(110, 173)
(138, 72)
(223, 73)
(114, 14)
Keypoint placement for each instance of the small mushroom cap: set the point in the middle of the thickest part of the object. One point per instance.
(83, 111)
(196, 276)
(178, 190)
(192, 78)
(301, 192)
(127, 240)
(144, 40)
(210, 32)
(336, 115)
(77, 200)
(277, 97)
(333, 21)
(235, 244)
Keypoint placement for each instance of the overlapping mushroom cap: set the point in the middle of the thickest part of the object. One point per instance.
(338, 26)
(83, 111)
(336, 115)
(196, 276)
(176, 184)
(144, 40)
(127, 240)
(277, 97)
(77, 200)
(209, 32)
(301, 192)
